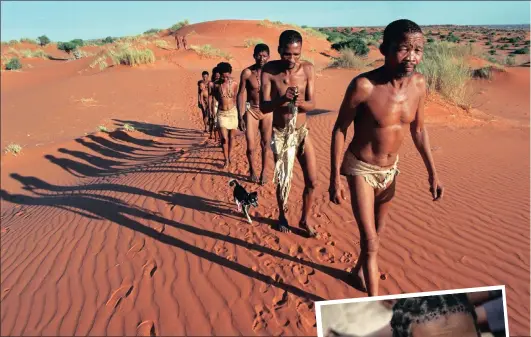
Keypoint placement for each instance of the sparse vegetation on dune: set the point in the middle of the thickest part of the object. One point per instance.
(14, 149)
(102, 128)
(348, 59)
(128, 55)
(13, 64)
(100, 61)
(251, 42)
(152, 31)
(446, 72)
(27, 53)
(163, 44)
(43, 40)
(128, 127)
(179, 25)
(211, 52)
(28, 40)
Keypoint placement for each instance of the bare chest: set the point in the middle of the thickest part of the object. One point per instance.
(283, 81)
(389, 108)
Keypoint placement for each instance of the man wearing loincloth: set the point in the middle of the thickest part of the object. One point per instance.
(225, 92)
(288, 91)
(382, 104)
(213, 105)
(251, 117)
(177, 40)
(202, 98)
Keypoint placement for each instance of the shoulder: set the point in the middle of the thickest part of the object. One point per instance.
(361, 84)
(246, 72)
(271, 67)
(307, 67)
(419, 81)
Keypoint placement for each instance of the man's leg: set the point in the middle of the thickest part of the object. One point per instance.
(204, 111)
(282, 225)
(266, 131)
(230, 133)
(362, 198)
(250, 135)
(309, 171)
(224, 144)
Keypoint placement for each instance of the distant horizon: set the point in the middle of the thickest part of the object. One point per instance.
(91, 20)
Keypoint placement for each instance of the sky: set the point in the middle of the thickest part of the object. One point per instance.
(66, 20)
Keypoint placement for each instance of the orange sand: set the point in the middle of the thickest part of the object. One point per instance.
(135, 233)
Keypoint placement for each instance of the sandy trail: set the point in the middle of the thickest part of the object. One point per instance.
(128, 233)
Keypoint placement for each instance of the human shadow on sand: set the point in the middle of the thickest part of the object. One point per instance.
(88, 201)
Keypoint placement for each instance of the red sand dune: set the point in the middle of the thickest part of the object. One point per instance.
(136, 233)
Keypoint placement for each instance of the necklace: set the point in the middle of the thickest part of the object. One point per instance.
(258, 80)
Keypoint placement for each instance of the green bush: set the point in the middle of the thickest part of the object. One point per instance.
(492, 52)
(78, 42)
(357, 45)
(452, 38)
(28, 40)
(179, 25)
(510, 61)
(488, 43)
(152, 31)
(108, 39)
(66, 46)
(472, 40)
(521, 51)
(13, 64)
(43, 40)
(429, 40)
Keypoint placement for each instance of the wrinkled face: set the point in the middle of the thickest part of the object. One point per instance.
(261, 58)
(253, 199)
(205, 77)
(225, 77)
(290, 54)
(403, 56)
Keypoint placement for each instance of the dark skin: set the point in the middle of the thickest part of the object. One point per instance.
(226, 103)
(211, 102)
(249, 91)
(279, 82)
(202, 98)
(383, 104)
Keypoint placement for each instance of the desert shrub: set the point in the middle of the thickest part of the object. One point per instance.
(429, 40)
(492, 52)
(108, 39)
(28, 40)
(179, 25)
(472, 40)
(314, 33)
(355, 44)
(13, 149)
(348, 59)
(521, 51)
(484, 73)
(78, 42)
(127, 55)
(12, 42)
(13, 64)
(128, 127)
(33, 53)
(251, 42)
(152, 31)
(452, 38)
(102, 128)
(505, 46)
(527, 42)
(210, 52)
(100, 61)
(43, 40)
(488, 43)
(161, 44)
(510, 61)
(446, 71)
(66, 46)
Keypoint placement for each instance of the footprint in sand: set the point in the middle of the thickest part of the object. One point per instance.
(302, 273)
(346, 258)
(119, 294)
(146, 328)
(306, 313)
(149, 268)
(224, 228)
(262, 316)
(159, 228)
(271, 241)
(280, 312)
(294, 250)
(323, 255)
(220, 250)
(137, 246)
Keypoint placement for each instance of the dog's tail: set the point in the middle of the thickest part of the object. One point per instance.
(233, 182)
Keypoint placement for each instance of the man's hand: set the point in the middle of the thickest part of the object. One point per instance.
(337, 193)
(300, 101)
(241, 124)
(291, 92)
(436, 188)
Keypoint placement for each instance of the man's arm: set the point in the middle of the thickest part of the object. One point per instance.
(357, 92)
(308, 103)
(242, 92)
(212, 98)
(266, 104)
(198, 93)
(422, 142)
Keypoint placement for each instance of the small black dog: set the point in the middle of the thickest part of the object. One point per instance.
(243, 199)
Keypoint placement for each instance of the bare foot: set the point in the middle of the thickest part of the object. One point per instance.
(225, 164)
(254, 178)
(309, 231)
(282, 226)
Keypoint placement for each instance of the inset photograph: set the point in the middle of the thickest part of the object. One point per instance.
(474, 312)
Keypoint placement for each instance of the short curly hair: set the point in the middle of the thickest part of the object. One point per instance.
(289, 37)
(396, 30)
(407, 311)
(224, 67)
